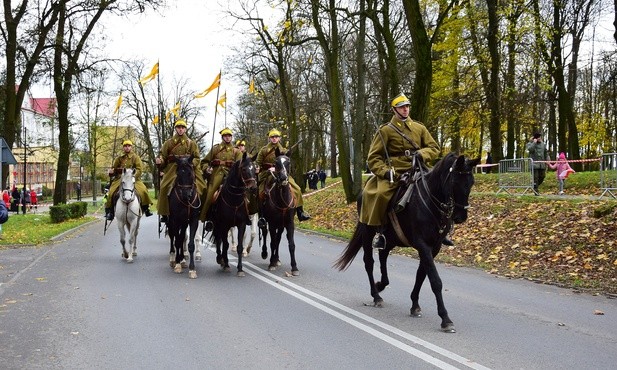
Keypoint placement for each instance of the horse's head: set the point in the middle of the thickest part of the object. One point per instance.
(185, 175)
(461, 174)
(247, 172)
(281, 168)
(127, 185)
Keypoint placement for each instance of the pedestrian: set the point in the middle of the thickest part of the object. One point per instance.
(34, 202)
(24, 198)
(389, 156)
(322, 177)
(179, 145)
(215, 165)
(15, 197)
(489, 161)
(126, 160)
(78, 189)
(4, 216)
(265, 163)
(563, 170)
(539, 156)
(6, 197)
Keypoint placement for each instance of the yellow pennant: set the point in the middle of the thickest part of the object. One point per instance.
(153, 72)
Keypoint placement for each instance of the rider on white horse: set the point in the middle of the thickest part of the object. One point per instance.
(127, 160)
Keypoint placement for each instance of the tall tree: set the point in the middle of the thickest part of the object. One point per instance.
(24, 44)
(493, 92)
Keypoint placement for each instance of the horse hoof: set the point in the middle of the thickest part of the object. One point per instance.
(184, 264)
(219, 260)
(264, 255)
(374, 304)
(271, 268)
(172, 264)
(245, 254)
(134, 254)
(192, 274)
(226, 269)
(278, 263)
(415, 312)
(448, 328)
(198, 257)
(129, 260)
(295, 273)
(178, 268)
(234, 248)
(240, 274)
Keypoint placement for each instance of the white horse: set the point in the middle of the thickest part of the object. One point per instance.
(128, 213)
(254, 230)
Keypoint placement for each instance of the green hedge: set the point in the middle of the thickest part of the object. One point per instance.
(63, 212)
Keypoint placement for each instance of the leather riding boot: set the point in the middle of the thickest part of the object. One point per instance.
(302, 216)
(146, 210)
(109, 214)
(208, 226)
(447, 241)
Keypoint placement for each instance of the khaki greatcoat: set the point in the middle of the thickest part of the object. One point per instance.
(177, 146)
(378, 189)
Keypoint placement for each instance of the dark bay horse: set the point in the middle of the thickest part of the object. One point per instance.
(278, 210)
(184, 208)
(438, 199)
(232, 209)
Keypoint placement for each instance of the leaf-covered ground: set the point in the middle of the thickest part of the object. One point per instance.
(568, 241)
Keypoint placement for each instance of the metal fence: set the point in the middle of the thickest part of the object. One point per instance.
(516, 175)
(608, 174)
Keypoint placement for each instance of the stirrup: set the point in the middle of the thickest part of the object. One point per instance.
(379, 241)
(261, 223)
(208, 226)
(109, 216)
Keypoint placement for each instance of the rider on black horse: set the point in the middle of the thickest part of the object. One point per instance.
(179, 145)
(390, 155)
(216, 165)
(265, 164)
(127, 160)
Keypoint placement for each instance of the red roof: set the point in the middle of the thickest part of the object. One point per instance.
(44, 106)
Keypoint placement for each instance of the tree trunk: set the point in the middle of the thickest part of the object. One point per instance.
(493, 92)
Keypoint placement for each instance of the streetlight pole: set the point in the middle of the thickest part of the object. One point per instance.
(23, 190)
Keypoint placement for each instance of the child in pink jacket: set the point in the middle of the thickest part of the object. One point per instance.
(563, 170)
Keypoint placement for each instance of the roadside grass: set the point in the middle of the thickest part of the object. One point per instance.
(35, 229)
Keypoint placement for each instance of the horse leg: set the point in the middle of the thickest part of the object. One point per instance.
(180, 236)
(241, 230)
(125, 254)
(275, 240)
(383, 268)
(264, 247)
(415, 309)
(367, 238)
(254, 217)
(232, 238)
(172, 250)
(292, 248)
(225, 252)
(134, 244)
(217, 244)
(192, 231)
(426, 259)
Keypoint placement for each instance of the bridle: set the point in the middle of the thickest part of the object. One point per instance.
(130, 190)
(281, 181)
(181, 190)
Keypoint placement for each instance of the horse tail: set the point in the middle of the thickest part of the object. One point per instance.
(352, 249)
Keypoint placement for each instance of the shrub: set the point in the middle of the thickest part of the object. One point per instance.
(59, 213)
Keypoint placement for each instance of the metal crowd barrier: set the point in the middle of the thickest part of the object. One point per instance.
(516, 175)
(608, 174)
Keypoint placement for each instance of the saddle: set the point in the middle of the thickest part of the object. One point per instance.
(407, 185)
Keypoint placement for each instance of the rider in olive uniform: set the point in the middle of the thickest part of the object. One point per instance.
(398, 140)
(265, 163)
(180, 144)
(127, 160)
(216, 165)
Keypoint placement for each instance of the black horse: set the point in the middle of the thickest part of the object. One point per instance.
(184, 208)
(438, 199)
(232, 209)
(278, 209)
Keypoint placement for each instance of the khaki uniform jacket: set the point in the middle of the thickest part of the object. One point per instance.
(378, 190)
(220, 158)
(130, 160)
(177, 146)
(265, 160)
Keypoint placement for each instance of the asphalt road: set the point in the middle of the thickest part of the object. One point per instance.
(76, 304)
